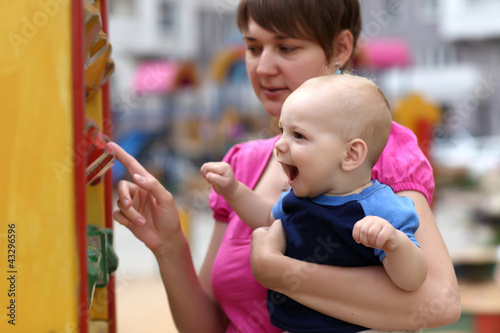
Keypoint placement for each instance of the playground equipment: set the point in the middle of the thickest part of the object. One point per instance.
(55, 222)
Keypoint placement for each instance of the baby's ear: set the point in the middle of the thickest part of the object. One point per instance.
(355, 154)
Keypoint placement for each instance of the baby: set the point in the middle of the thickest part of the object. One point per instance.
(334, 128)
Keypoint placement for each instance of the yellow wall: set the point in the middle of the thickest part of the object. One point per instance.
(36, 154)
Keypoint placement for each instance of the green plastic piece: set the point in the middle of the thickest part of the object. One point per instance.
(112, 257)
(102, 239)
(93, 268)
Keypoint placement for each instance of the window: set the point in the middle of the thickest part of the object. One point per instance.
(480, 2)
(166, 15)
(429, 11)
(121, 7)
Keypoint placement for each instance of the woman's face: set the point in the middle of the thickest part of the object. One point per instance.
(277, 64)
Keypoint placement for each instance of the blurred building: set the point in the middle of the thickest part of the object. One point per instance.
(445, 50)
(454, 47)
(186, 30)
(180, 87)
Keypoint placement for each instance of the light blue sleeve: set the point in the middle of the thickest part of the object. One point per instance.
(399, 211)
(278, 207)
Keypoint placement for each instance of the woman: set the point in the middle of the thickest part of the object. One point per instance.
(283, 51)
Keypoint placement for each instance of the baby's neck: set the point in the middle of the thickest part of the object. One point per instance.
(350, 185)
(357, 189)
(354, 181)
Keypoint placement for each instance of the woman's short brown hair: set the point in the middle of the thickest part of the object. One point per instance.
(317, 20)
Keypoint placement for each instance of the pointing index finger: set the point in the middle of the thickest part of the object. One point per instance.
(128, 161)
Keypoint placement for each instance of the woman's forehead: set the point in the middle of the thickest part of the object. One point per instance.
(275, 22)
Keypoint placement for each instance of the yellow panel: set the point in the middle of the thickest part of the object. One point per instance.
(99, 308)
(36, 149)
(95, 205)
(96, 211)
(93, 109)
(98, 326)
(95, 193)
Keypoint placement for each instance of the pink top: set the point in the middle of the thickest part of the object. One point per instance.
(402, 166)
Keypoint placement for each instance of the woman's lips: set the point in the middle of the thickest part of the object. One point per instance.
(273, 92)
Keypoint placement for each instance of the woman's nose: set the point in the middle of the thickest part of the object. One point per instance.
(267, 63)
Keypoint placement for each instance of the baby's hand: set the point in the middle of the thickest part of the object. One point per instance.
(374, 231)
(220, 175)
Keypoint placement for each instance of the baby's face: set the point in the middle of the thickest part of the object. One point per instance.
(309, 150)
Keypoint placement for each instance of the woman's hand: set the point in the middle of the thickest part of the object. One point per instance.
(268, 243)
(148, 210)
(145, 207)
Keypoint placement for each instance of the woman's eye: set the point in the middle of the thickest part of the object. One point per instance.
(287, 49)
(253, 49)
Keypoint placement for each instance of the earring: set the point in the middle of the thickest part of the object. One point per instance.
(337, 65)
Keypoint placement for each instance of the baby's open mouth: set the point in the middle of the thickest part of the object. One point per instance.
(291, 171)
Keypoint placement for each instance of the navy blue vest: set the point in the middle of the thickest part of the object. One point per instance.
(325, 238)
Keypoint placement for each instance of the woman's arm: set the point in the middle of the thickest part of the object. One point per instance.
(190, 296)
(364, 295)
(149, 211)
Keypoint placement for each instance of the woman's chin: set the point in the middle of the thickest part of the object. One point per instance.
(273, 108)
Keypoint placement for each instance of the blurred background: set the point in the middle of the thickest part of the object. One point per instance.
(180, 96)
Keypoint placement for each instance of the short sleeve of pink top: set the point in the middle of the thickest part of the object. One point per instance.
(401, 166)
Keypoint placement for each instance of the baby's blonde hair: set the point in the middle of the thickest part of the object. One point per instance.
(360, 108)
